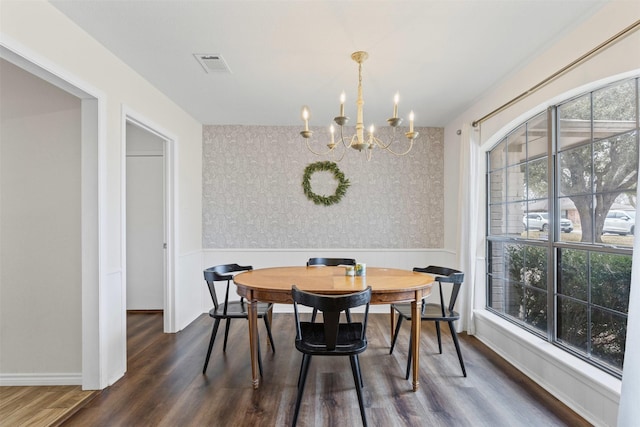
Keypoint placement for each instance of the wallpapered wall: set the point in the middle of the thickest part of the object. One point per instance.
(253, 197)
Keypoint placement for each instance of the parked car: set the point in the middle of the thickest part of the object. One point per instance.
(540, 221)
(619, 222)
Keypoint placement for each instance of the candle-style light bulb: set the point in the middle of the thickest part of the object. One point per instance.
(343, 97)
(371, 133)
(332, 130)
(411, 116)
(395, 105)
(305, 117)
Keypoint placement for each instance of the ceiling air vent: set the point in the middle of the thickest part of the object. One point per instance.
(212, 62)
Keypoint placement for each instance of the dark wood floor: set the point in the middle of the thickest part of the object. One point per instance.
(164, 385)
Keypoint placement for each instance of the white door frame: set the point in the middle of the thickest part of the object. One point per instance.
(130, 116)
(96, 368)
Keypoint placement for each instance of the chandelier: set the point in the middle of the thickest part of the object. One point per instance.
(358, 140)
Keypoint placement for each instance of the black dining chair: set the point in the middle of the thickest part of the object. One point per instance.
(330, 262)
(231, 309)
(434, 312)
(331, 338)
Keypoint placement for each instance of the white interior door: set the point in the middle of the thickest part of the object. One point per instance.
(145, 220)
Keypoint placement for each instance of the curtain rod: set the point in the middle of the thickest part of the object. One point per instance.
(561, 71)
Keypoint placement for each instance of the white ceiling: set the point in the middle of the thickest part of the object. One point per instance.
(439, 55)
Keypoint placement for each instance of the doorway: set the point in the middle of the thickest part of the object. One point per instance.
(145, 264)
(88, 330)
(148, 218)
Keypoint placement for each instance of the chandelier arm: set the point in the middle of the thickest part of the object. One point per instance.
(317, 153)
(369, 152)
(342, 139)
(331, 152)
(384, 146)
(388, 148)
(344, 151)
(379, 143)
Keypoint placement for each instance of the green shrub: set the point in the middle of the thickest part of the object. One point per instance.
(592, 297)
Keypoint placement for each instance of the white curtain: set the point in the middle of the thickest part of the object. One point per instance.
(629, 409)
(469, 225)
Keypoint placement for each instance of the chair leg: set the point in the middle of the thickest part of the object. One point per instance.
(409, 358)
(259, 356)
(347, 314)
(454, 335)
(266, 323)
(226, 334)
(214, 331)
(439, 336)
(304, 369)
(300, 372)
(357, 362)
(357, 379)
(395, 335)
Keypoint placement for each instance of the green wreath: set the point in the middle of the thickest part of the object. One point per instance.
(343, 183)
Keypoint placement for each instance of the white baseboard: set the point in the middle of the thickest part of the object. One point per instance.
(40, 379)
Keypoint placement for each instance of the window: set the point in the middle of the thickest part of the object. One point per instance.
(561, 223)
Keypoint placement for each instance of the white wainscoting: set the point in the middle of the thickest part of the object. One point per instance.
(587, 390)
(113, 341)
(189, 289)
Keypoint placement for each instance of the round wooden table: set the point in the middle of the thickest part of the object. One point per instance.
(388, 286)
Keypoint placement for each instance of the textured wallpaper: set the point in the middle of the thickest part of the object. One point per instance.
(253, 197)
